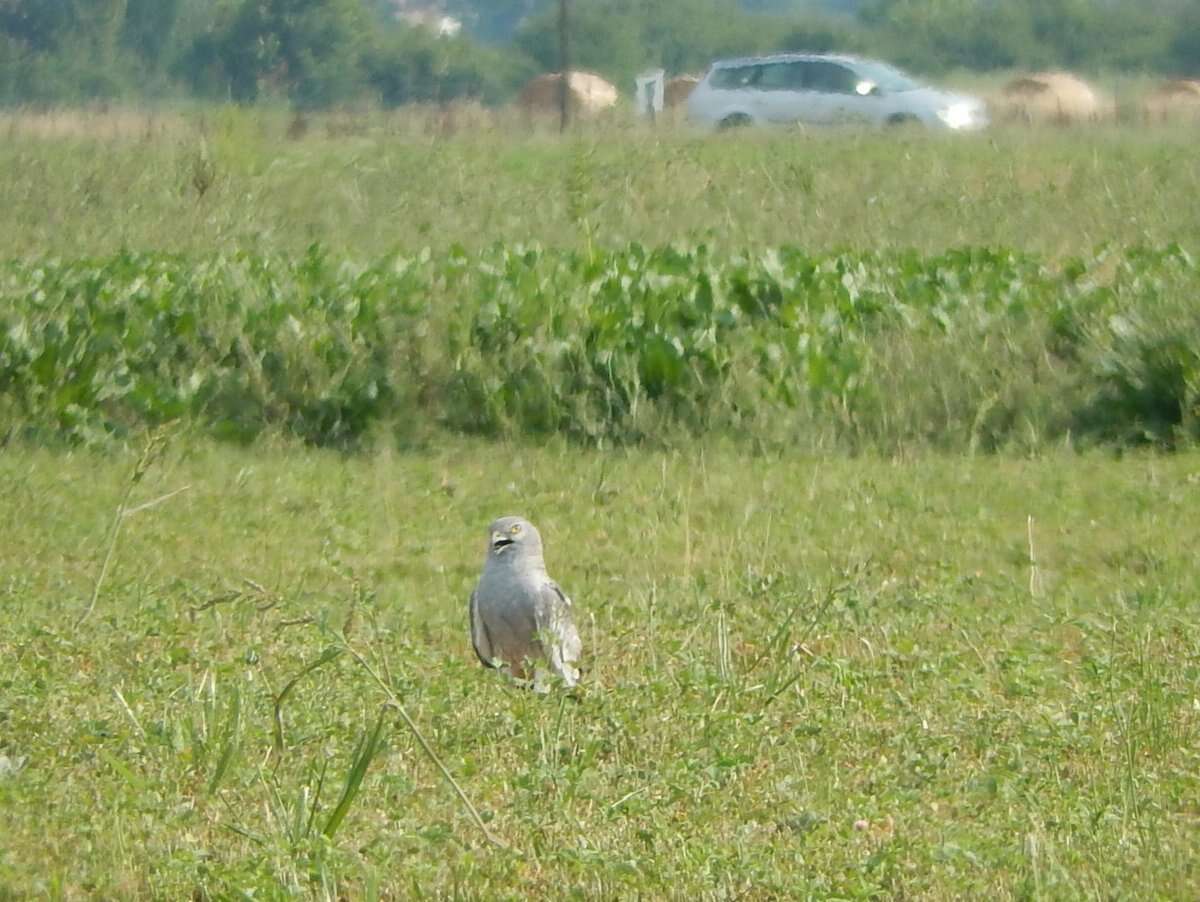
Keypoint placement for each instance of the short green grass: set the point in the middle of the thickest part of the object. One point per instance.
(852, 678)
(226, 180)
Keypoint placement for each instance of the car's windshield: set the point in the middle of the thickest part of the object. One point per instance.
(888, 78)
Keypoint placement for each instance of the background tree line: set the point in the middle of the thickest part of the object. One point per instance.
(316, 53)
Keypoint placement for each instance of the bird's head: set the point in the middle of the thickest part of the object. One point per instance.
(513, 538)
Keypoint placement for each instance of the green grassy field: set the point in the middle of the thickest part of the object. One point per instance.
(847, 464)
(234, 180)
(821, 677)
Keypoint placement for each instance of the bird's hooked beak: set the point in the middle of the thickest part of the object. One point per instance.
(500, 541)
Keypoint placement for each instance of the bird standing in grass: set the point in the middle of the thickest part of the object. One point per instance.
(519, 615)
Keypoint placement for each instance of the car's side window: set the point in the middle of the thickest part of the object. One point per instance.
(782, 77)
(736, 77)
(829, 78)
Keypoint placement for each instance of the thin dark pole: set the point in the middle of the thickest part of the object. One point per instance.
(564, 68)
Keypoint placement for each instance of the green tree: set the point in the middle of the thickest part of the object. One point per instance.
(149, 29)
(38, 26)
(619, 38)
(991, 34)
(494, 21)
(1184, 49)
(410, 65)
(69, 49)
(605, 37)
(309, 51)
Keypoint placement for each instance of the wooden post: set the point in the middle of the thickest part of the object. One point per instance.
(564, 67)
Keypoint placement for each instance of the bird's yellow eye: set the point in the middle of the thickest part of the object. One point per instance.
(515, 529)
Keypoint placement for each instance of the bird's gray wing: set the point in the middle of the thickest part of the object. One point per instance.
(565, 646)
(557, 590)
(479, 634)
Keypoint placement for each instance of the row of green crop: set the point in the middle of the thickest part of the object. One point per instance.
(977, 348)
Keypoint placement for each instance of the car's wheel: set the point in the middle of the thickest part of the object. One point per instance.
(735, 120)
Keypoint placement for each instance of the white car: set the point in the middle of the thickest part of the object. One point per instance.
(824, 89)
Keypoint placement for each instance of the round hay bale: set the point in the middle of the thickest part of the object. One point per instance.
(1174, 100)
(1049, 97)
(588, 93)
(677, 90)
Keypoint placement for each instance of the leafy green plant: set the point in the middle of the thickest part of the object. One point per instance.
(630, 345)
(1146, 364)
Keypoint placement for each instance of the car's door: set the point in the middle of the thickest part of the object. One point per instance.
(781, 96)
(733, 95)
(840, 96)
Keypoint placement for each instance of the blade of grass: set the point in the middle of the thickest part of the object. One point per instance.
(776, 638)
(129, 711)
(366, 750)
(812, 624)
(326, 656)
(316, 802)
(429, 752)
(153, 448)
(231, 741)
(300, 807)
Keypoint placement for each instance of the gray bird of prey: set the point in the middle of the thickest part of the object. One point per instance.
(520, 617)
